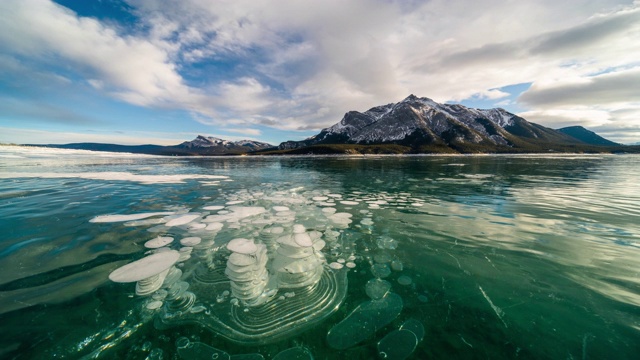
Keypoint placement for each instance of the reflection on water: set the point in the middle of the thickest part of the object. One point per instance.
(495, 256)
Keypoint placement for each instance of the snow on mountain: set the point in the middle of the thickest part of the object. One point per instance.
(418, 121)
(213, 142)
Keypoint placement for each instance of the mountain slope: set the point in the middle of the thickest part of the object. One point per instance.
(586, 136)
(422, 122)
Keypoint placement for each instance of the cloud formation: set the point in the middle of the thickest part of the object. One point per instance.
(295, 65)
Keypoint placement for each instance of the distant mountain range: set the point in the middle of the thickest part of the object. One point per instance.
(201, 145)
(413, 125)
(421, 125)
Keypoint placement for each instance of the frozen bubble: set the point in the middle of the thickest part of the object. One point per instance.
(423, 298)
(382, 258)
(366, 222)
(336, 266)
(351, 258)
(158, 242)
(235, 202)
(294, 353)
(404, 280)
(329, 210)
(417, 204)
(374, 206)
(397, 345)
(349, 202)
(364, 321)
(341, 261)
(145, 268)
(190, 241)
(415, 327)
(396, 265)
(280, 208)
(216, 226)
(335, 196)
(197, 350)
(350, 265)
(197, 226)
(242, 246)
(319, 198)
(319, 245)
(213, 208)
(377, 288)
(130, 217)
(386, 242)
(298, 229)
(159, 295)
(154, 305)
(380, 270)
(184, 219)
(146, 222)
(303, 239)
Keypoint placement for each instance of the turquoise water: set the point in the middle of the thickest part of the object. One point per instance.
(501, 257)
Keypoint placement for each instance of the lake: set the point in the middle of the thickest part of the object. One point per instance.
(425, 257)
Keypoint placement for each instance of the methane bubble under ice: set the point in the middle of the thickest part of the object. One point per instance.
(259, 266)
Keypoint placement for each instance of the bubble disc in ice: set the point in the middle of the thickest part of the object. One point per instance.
(397, 345)
(294, 353)
(377, 288)
(364, 321)
(158, 242)
(415, 327)
(191, 241)
(242, 246)
(145, 268)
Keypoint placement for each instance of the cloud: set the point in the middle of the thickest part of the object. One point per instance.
(297, 65)
(610, 88)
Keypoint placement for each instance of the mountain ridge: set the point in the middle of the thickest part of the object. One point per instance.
(423, 124)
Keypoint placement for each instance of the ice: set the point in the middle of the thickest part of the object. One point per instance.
(158, 242)
(236, 213)
(184, 219)
(213, 208)
(146, 267)
(130, 217)
(242, 246)
(216, 226)
(380, 270)
(397, 345)
(386, 242)
(280, 208)
(190, 241)
(364, 321)
(404, 280)
(377, 288)
(294, 353)
(199, 351)
(349, 202)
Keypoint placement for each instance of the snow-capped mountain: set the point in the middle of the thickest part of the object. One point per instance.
(210, 144)
(419, 122)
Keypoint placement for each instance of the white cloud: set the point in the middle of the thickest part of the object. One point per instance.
(302, 65)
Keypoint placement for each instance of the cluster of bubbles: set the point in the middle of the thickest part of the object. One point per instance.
(255, 261)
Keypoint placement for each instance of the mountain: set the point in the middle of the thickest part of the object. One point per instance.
(586, 136)
(213, 145)
(201, 145)
(423, 125)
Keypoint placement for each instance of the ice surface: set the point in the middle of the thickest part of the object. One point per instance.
(181, 220)
(364, 321)
(146, 267)
(113, 176)
(130, 217)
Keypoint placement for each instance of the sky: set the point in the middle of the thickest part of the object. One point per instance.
(162, 72)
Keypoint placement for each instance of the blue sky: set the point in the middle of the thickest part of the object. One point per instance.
(143, 71)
